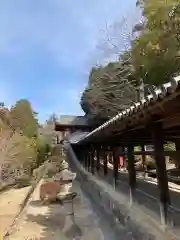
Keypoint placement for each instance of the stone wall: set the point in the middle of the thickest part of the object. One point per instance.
(126, 218)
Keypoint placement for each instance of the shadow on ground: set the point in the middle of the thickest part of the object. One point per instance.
(56, 224)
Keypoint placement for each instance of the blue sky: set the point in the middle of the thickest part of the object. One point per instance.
(47, 48)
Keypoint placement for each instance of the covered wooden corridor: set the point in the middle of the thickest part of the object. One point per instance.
(154, 120)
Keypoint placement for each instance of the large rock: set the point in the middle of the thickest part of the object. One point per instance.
(49, 190)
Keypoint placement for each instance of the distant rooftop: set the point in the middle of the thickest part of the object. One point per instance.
(76, 136)
(72, 120)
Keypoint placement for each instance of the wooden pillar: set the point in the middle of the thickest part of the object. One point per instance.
(98, 159)
(92, 159)
(157, 135)
(84, 156)
(131, 166)
(63, 134)
(88, 160)
(105, 161)
(143, 159)
(76, 151)
(115, 164)
(177, 155)
(79, 153)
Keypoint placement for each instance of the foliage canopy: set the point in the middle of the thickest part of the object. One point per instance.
(152, 59)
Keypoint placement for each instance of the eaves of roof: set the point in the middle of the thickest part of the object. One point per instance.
(158, 94)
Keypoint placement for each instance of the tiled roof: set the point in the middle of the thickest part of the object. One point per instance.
(157, 94)
(72, 120)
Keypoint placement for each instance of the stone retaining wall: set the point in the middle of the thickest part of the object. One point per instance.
(128, 218)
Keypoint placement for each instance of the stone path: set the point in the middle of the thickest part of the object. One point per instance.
(53, 221)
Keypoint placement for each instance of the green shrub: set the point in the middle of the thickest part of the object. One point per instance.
(42, 151)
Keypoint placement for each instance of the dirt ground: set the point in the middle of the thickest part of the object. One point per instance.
(10, 205)
(44, 222)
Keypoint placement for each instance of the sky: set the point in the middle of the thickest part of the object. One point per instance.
(47, 48)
